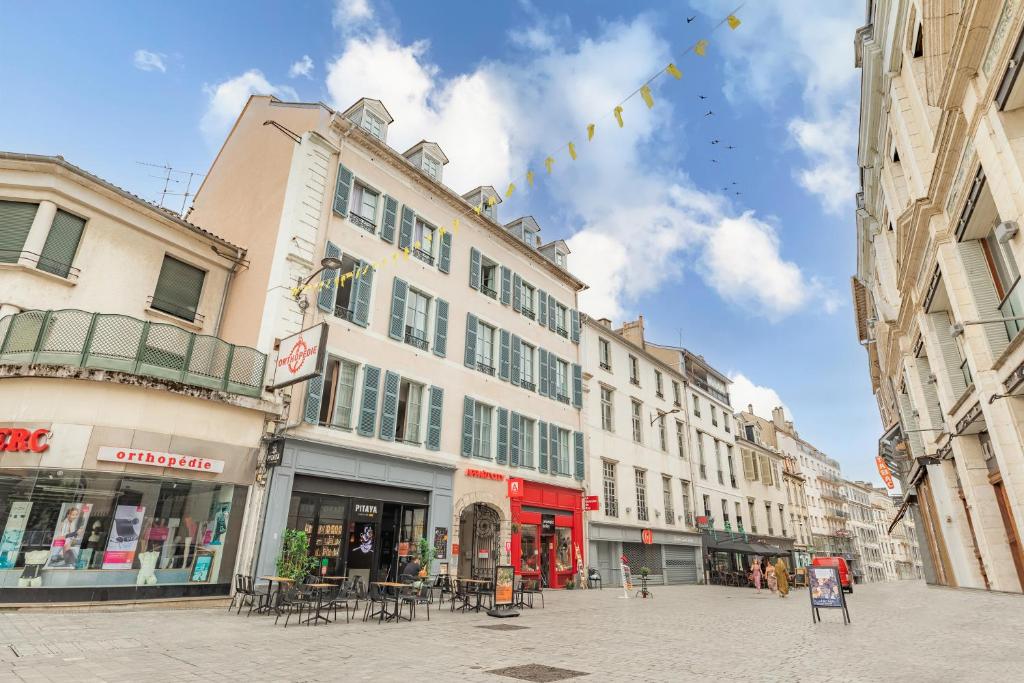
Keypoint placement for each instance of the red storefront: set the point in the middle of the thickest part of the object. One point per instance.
(547, 532)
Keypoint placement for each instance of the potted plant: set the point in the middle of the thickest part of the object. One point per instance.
(644, 573)
(569, 585)
(426, 554)
(294, 561)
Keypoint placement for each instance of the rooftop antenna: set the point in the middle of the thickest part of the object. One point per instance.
(176, 177)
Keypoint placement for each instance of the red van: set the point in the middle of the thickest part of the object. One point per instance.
(844, 570)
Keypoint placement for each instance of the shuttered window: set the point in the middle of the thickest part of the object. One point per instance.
(61, 243)
(178, 289)
(15, 222)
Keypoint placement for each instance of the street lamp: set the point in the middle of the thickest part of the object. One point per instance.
(326, 263)
(662, 416)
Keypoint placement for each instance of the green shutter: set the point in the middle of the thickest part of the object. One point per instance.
(15, 222)
(61, 243)
(468, 405)
(542, 365)
(516, 362)
(314, 393)
(389, 406)
(515, 440)
(178, 288)
(577, 438)
(574, 326)
(554, 457)
(517, 293)
(502, 436)
(577, 385)
(506, 286)
(405, 231)
(552, 376)
(368, 406)
(387, 225)
(434, 419)
(474, 269)
(470, 357)
(504, 354)
(342, 190)
(399, 292)
(542, 440)
(328, 280)
(444, 258)
(363, 286)
(441, 328)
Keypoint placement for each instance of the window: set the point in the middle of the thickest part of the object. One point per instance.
(526, 367)
(416, 307)
(604, 350)
(718, 461)
(432, 167)
(611, 502)
(739, 517)
(749, 431)
(489, 278)
(344, 305)
(485, 347)
(564, 459)
(410, 404)
(16, 219)
(725, 513)
(686, 502)
(640, 477)
(714, 416)
(527, 428)
(919, 42)
(677, 396)
(666, 493)
(700, 453)
(562, 320)
(753, 519)
(634, 371)
(178, 288)
(364, 207)
(766, 470)
(681, 438)
(424, 236)
(782, 520)
(562, 380)
(606, 410)
(61, 243)
(732, 472)
(338, 391)
(725, 422)
(662, 432)
(482, 430)
(560, 259)
(1002, 266)
(658, 384)
(527, 301)
(373, 125)
(696, 405)
(638, 434)
(768, 516)
(707, 507)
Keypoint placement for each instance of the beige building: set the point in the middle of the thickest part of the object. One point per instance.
(130, 424)
(452, 349)
(768, 513)
(936, 291)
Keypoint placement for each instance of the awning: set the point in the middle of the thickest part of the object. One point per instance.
(899, 513)
(742, 547)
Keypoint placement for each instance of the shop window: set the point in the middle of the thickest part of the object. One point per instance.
(529, 549)
(410, 411)
(563, 559)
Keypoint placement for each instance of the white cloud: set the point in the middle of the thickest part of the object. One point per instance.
(227, 98)
(303, 67)
(743, 392)
(350, 15)
(828, 142)
(145, 60)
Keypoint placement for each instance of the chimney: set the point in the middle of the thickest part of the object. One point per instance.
(779, 418)
(605, 322)
(634, 331)
(750, 408)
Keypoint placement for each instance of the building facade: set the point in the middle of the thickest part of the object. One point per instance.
(864, 538)
(936, 290)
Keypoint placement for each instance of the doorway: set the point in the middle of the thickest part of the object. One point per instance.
(480, 538)
(1012, 537)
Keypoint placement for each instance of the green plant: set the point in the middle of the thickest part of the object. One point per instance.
(426, 553)
(294, 561)
(645, 571)
(570, 584)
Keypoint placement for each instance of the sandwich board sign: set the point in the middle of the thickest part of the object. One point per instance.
(826, 592)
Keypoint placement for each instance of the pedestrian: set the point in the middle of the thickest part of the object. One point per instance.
(782, 577)
(755, 575)
(770, 577)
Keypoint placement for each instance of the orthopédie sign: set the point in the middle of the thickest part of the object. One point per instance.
(175, 461)
(300, 356)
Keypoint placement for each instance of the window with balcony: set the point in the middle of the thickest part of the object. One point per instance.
(696, 405)
(482, 416)
(725, 514)
(344, 305)
(562, 380)
(527, 294)
(338, 391)
(634, 371)
(363, 207)
(61, 244)
(607, 422)
(485, 347)
(666, 494)
(604, 350)
(410, 411)
(637, 412)
(417, 308)
(714, 416)
(564, 462)
(562, 320)
(707, 506)
(489, 278)
(178, 289)
(640, 479)
(611, 501)
(424, 237)
(662, 432)
(526, 353)
(685, 493)
(659, 388)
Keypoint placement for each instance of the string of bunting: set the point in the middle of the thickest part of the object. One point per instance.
(644, 91)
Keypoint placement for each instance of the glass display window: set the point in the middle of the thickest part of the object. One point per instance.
(563, 557)
(529, 549)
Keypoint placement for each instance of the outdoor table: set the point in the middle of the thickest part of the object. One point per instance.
(271, 580)
(395, 586)
(477, 606)
(319, 587)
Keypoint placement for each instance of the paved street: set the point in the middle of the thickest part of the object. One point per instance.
(684, 633)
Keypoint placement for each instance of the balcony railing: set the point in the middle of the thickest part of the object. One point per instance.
(720, 395)
(125, 344)
(528, 385)
(364, 223)
(41, 262)
(528, 312)
(489, 291)
(170, 308)
(1012, 307)
(423, 256)
(414, 339)
(484, 367)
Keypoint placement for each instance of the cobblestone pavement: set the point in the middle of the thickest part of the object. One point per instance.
(684, 633)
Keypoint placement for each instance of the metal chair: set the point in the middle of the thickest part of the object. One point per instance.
(594, 576)
(292, 600)
(532, 587)
(420, 596)
(376, 604)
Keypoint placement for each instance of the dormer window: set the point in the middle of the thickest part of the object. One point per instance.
(530, 237)
(488, 210)
(432, 167)
(372, 124)
(560, 259)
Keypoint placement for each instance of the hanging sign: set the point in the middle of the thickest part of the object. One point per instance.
(515, 487)
(591, 503)
(647, 536)
(300, 356)
(884, 471)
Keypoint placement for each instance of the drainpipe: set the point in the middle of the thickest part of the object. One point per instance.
(236, 260)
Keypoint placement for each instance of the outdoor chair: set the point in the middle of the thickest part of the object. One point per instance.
(338, 597)
(532, 587)
(292, 600)
(594, 577)
(459, 595)
(420, 596)
(376, 604)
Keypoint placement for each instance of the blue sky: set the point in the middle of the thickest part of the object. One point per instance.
(757, 282)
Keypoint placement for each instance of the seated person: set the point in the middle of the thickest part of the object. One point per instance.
(412, 567)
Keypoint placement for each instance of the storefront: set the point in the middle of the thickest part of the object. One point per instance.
(672, 557)
(728, 553)
(547, 531)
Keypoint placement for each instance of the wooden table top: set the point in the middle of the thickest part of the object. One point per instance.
(334, 578)
(389, 584)
(320, 585)
(282, 579)
(474, 580)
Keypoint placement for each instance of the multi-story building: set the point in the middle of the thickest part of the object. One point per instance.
(638, 459)
(767, 514)
(864, 546)
(796, 499)
(900, 553)
(131, 424)
(937, 293)
(449, 404)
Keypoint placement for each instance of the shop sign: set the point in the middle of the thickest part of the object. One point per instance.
(515, 487)
(647, 536)
(591, 503)
(300, 356)
(483, 554)
(157, 459)
(883, 470)
(547, 523)
(455, 549)
(484, 474)
(275, 452)
(365, 510)
(15, 440)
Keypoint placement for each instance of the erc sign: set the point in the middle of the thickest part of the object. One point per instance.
(15, 440)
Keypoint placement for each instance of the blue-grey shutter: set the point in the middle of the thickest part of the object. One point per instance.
(389, 406)
(504, 354)
(390, 219)
(368, 406)
(399, 292)
(577, 385)
(552, 375)
(474, 269)
(577, 438)
(542, 366)
(434, 418)
(554, 457)
(542, 441)
(516, 361)
(405, 231)
(502, 436)
(470, 357)
(515, 440)
(574, 326)
(342, 189)
(979, 280)
(362, 287)
(328, 280)
(441, 328)
(506, 286)
(542, 308)
(314, 393)
(468, 405)
(552, 309)
(444, 258)
(517, 293)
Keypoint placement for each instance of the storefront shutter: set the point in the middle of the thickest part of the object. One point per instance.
(15, 222)
(368, 406)
(314, 393)
(61, 243)
(468, 404)
(389, 407)
(983, 290)
(554, 457)
(399, 293)
(542, 364)
(542, 442)
(470, 357)
(542, 308)
(405, 230)
(577, 385)
(474, 269)
(328, 280)
(178, 288)
(440, 328)
(502, 436)
(516, 440)
(504, 355)
(342, 190)
(577, 440)
(506, 286)
(434, 419)
(387, 224)
(517, 293)
(516, 361)
(552, 310)
(444, 258)
(574, 326)
(361, 289)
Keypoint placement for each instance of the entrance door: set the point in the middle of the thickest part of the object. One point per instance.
(480, 539)
(547, 560)
(1012, 538)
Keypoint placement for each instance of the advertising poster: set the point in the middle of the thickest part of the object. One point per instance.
(824, 586)
(67, 536)
(14, 532)
(124, 537)
(202, 568)
(219, 513)
(504, 575)
(441, 542)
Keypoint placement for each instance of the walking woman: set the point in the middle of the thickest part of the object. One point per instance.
(782, 577)
(755, 574)
(769, 575)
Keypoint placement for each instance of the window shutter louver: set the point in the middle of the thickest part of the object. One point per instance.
(979, 280)
(504, 355)
(405, 230)
(474, 269)
(515, 440)
(444, 258)
(516, 361)
(342, 190)
(441, 328)
(749, 471)
(178, 288)
(502, 436)
(577, 385)
(434, 415)
(368, 405)
(552, 375)
(542, 364)
(554, 457)
(15, 222)
(314, 394)
(574, 326)
(552, 310)
(924, 371)
(906, 410)
(61, 243)
(506, 286)
(328, 280)
(389, 406)
(517, 293)
(389, 220)
(577, 438)
(950, 355)
(542, 308)
(470, 356)
(362, 288)
(542, 442)
(399, 293)
(468, 405)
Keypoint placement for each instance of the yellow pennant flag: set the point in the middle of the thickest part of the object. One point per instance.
(455, 226)
(441, 231)
(478, 208)
(491, 201)
(366, 269)
(590, 132)
(406, 252)
(548, 163)
(618, 115)
(394, 257)
(529, 178)
(510, 190)
(572, 151)
(645, 92)
(701, 47)
(733, 21)
(674, 71)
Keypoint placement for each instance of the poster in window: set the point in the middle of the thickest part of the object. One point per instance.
(67, 536)
(219, 522)
(441, 542)
(203, 567)
(826, 591)
(504, 575)
(14, 532)
(124, 537)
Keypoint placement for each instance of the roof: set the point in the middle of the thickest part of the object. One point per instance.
(425, 143)
(163, 213)
(378, 103)
(485, 190)
(556, 244)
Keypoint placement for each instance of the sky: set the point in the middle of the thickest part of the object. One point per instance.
(730, 232)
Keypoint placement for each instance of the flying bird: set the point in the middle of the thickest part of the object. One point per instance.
(738, 194)
(734, 182)
(703, 97)
(725, 189)
(714, 161)
(730, 147)
(690, 19)
(709, 113)
(715, 141)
